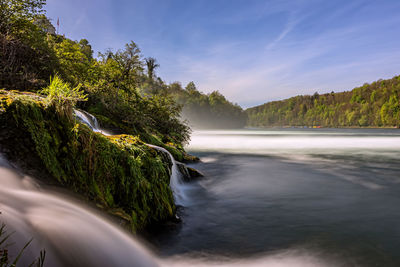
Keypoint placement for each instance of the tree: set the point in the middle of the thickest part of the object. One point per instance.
(26, 60)
(129, 60)
(190, 87)
(74, 62)
(151, 64)
(16, 14)
(86, 48)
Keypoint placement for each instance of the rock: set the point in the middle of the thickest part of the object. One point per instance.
(194, 173)
(190, 158)
(184, 171)
(188, 173)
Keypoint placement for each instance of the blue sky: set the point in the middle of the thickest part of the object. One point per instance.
(251, 51)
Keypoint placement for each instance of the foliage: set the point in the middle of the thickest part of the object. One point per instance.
(114, 95)
(62, 97)
(15, 15)
(74, 58)
(372, 105)
(60, 91)
(151, 64)
(26, 59)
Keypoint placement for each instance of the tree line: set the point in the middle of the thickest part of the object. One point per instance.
(371, 105)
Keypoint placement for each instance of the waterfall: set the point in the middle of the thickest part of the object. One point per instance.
(176, 182)
(89, 120)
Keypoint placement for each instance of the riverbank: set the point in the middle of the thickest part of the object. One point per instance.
(120, 174)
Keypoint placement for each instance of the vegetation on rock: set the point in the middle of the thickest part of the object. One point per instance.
(121, 174)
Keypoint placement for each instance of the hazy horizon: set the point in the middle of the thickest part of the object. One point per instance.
(251, 51)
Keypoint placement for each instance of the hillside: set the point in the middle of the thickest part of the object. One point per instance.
(371, 105)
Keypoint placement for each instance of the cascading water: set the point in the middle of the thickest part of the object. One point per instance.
(90, 120)
(176, 182)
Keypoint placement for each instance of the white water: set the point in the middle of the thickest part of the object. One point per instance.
(324, 148)
(176, 183)
(90, 120)
(288, 258)
(297, 144)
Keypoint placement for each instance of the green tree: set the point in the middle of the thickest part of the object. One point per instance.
(15, 15)
(86, 48)
(151, 64)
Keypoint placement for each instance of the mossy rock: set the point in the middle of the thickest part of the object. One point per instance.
(121, 174)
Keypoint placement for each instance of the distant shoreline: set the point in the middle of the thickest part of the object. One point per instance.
(320, 127)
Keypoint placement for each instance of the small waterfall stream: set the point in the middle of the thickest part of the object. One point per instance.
(90, 120)
(176, 182)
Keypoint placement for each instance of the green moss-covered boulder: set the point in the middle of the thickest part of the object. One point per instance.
(120, 174)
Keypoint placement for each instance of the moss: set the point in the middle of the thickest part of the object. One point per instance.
(146, 135)
(120, 173)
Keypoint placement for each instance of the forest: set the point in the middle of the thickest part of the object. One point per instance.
(371, 105)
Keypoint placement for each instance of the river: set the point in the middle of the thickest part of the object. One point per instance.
(291, 197)
(275, 198)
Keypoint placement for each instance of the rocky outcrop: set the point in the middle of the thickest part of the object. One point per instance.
(120, 174)
(188, 173)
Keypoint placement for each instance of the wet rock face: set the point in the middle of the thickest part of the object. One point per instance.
(184, 171)
(194, 173)
(188, 173)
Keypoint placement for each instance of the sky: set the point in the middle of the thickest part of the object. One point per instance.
(251, 51)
